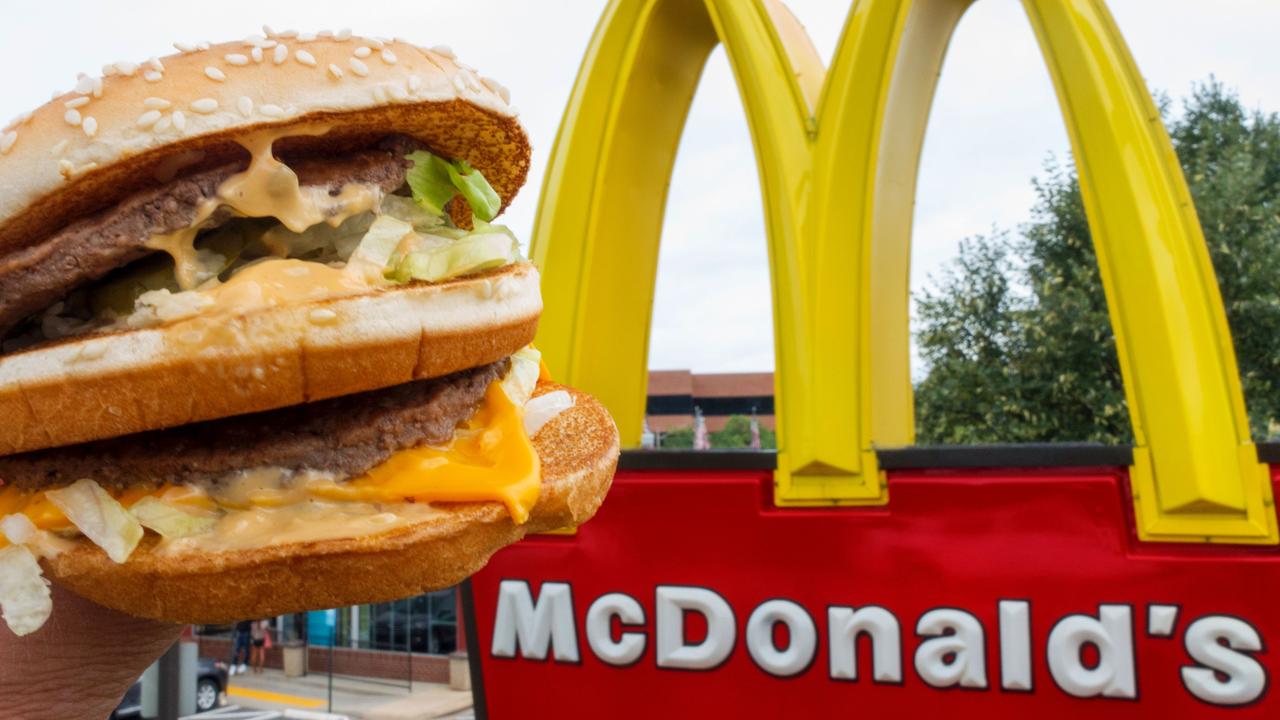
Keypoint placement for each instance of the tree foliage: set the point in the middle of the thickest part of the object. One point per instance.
(736, 433)
(1015, 332)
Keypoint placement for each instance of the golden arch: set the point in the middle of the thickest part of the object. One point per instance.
(837, 154)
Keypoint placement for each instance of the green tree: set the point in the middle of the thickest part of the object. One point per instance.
(1015, 333)
(736, 433)
(678, 439)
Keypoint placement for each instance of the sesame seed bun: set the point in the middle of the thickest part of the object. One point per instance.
(140, 123)
(578, 450)
(202, 368)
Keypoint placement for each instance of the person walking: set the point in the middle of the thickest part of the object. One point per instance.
(258, 635)
(240, 647)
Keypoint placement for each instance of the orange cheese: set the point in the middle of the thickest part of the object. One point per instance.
(489, 459)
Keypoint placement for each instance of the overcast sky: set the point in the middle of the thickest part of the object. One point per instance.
(995, 120)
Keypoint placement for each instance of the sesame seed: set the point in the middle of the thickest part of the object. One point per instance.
(322, 316)
(65, 168)
(127, 69)
(358, 67)
(84, 84)
(76, 102)
(155, 64)
(214, 73)
(152, 76)
(72, 117)
(256, 53)
(90, 126)
(336, 71)
(250, 40)
(245, 105)
(380, 93)
(162, 124)
(280, 55)
(388, 57)
(267, 44)
(236, 59)
(362, 52)
(288, 33)
(271, 110)
(306, 37)
(375, 42)
(342, 35)
(398, 92)
(179, 120)
(305, 58)
(97, 87)
(57, 149)
(415, 82)
(7, 140)
(148, 118)
(498, 88)
(203, 46)
(326, 34)
(184, 47)
(156, 103)
(444, 51)
(266, 30)
(205, 105)
(109, 70)
(459, 83)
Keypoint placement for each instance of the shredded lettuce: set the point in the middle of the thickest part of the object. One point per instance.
(25, 600)
(434, 181)
(522, 378)
(375, 248)
(430, 182)
(169, 521)
(99, 517)
(541, 410)
(472, 253)
(480, 195)
(404, 208)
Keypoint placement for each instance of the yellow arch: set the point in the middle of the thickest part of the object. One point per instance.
(837, 158)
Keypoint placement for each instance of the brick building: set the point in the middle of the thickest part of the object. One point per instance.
(673, 395)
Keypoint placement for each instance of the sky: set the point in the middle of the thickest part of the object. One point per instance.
(994, 124)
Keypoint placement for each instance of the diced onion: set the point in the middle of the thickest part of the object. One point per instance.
(99, 516)
(18, 528)
(169, 521)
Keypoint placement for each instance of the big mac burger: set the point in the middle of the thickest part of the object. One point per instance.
(262, 346)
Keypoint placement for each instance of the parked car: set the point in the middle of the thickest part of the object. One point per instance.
(211, 683)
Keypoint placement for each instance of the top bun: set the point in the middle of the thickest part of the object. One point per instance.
(140, 124)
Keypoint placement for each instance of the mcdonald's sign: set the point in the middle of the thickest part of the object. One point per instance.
(852, 572)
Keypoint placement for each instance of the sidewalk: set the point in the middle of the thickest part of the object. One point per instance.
(357, 698)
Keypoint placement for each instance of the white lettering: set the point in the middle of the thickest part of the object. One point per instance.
(844, 624)
(630, 645)
(955, 653)
(803, 638)
(535, 628)
(1245, 680)
(1015, 644)
(672, 602)
(1111, 634)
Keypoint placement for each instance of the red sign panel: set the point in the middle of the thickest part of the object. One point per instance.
(974, 593)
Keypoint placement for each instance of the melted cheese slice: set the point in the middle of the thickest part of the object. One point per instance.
(489, 460)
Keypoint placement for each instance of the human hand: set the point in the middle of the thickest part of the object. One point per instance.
(80, 663)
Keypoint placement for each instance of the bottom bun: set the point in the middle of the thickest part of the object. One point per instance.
(578, 450)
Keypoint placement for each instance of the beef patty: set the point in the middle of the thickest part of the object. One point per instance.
(39, 275)
(346, 435)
